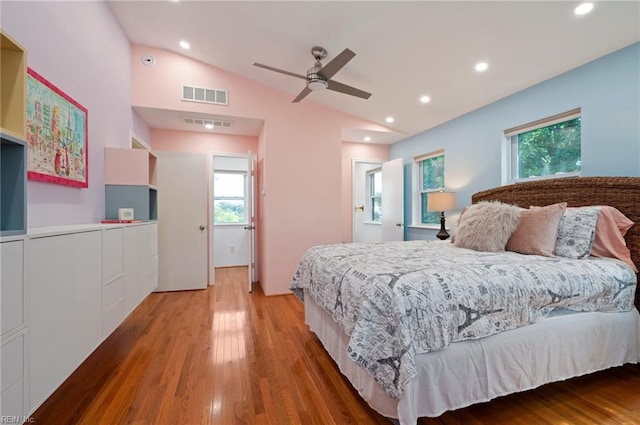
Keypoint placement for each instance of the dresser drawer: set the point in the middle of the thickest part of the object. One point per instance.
(12, 288)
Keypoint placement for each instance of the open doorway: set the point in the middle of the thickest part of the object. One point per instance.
(233, 214)
(378, 198)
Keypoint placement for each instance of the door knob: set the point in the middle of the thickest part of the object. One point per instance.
(360, 208)
(202, 227)
(249, 227)
(398, 224)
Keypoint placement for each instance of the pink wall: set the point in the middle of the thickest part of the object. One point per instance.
(350, 152)
(80, 48)
(301, 158)
(140, 128)
(206, 143)
(192, 141)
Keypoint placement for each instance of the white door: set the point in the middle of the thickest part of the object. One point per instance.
(392, 200)
(364, 230)
(251, 218)
(182, 220)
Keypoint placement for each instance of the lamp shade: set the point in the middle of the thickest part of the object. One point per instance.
(441, 201)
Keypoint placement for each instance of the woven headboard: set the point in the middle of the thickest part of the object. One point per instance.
(622, 193)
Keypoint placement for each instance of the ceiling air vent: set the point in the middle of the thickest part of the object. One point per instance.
(205, 95)
(207, 123)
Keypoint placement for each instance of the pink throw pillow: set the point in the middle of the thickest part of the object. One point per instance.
(537, 230)
(609, 241)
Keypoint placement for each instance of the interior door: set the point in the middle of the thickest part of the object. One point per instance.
(251, 218)
(392, 200)
(182, 219)
(363, 229)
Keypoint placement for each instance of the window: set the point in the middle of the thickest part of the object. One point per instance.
(229, 188)
(430, 178)
(374, 195)
(546, 148)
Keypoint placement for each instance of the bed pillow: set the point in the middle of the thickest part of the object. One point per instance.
(577, 232)
(453, 238)
(487, 226)
(609, 240)
(537, 230)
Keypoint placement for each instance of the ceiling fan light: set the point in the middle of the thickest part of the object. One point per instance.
(317, 84)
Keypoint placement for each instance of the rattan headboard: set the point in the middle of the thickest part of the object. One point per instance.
(622, 193)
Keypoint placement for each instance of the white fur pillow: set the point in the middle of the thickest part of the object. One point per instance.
(487, 226)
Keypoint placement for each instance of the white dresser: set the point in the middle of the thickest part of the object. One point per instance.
(64, 291)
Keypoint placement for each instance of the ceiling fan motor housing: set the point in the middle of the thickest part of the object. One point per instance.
(315, 81)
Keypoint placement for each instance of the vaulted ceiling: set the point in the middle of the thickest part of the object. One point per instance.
(404, 50)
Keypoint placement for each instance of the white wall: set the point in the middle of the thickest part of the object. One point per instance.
(80, 48)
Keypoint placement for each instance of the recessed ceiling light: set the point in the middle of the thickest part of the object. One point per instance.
(482, 66)
(367, 139)
(184, 45)
(425, 99)
(208, 126)
(389, 120)
(583, 9)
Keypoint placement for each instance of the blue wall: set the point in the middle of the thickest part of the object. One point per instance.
(607, 90)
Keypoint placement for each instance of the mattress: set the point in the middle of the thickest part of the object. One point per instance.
(563, 345)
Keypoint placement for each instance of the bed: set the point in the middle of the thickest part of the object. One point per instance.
(416, 363)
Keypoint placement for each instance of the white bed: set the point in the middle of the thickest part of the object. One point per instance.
(474, 371)
(563, 345)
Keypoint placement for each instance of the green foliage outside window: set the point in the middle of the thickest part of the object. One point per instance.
(375, 183)
(432, 179)
(549, 150)
(228, 212)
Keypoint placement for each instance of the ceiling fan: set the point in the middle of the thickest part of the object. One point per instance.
(319, 77)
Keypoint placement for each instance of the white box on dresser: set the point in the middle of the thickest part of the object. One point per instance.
(13, 325)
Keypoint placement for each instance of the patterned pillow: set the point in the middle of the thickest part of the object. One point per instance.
(577, 232)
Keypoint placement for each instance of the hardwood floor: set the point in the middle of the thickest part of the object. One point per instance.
(224, 356)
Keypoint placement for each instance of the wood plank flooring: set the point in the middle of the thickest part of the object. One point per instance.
(224, 356)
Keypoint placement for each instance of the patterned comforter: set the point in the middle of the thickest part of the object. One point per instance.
(399, 299)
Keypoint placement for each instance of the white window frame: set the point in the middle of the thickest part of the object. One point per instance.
(370, 196)
(245, 219)
(510, 141)
(416, 213)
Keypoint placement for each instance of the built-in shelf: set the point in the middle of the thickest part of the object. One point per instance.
(130, 182)
(13, 97)
(13, 87)
(153, 203)
(13, 220)
(13, 200)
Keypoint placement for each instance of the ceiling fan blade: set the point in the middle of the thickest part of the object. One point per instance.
(343, 88)
(302, 95)
(336, 64)
(270, 68)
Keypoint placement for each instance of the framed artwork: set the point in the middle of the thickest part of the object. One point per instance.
(57, 141)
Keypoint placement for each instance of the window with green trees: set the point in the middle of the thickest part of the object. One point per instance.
(374, 190)
(546, 149)
(229, 201)
(430, 179)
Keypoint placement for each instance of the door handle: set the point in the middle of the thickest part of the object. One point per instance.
(398, 224)
(249, 227)
(202, 227)
(360, 208)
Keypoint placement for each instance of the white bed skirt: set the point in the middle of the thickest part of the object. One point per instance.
(564, 345)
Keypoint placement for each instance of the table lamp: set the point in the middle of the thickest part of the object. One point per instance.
(441, 201)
